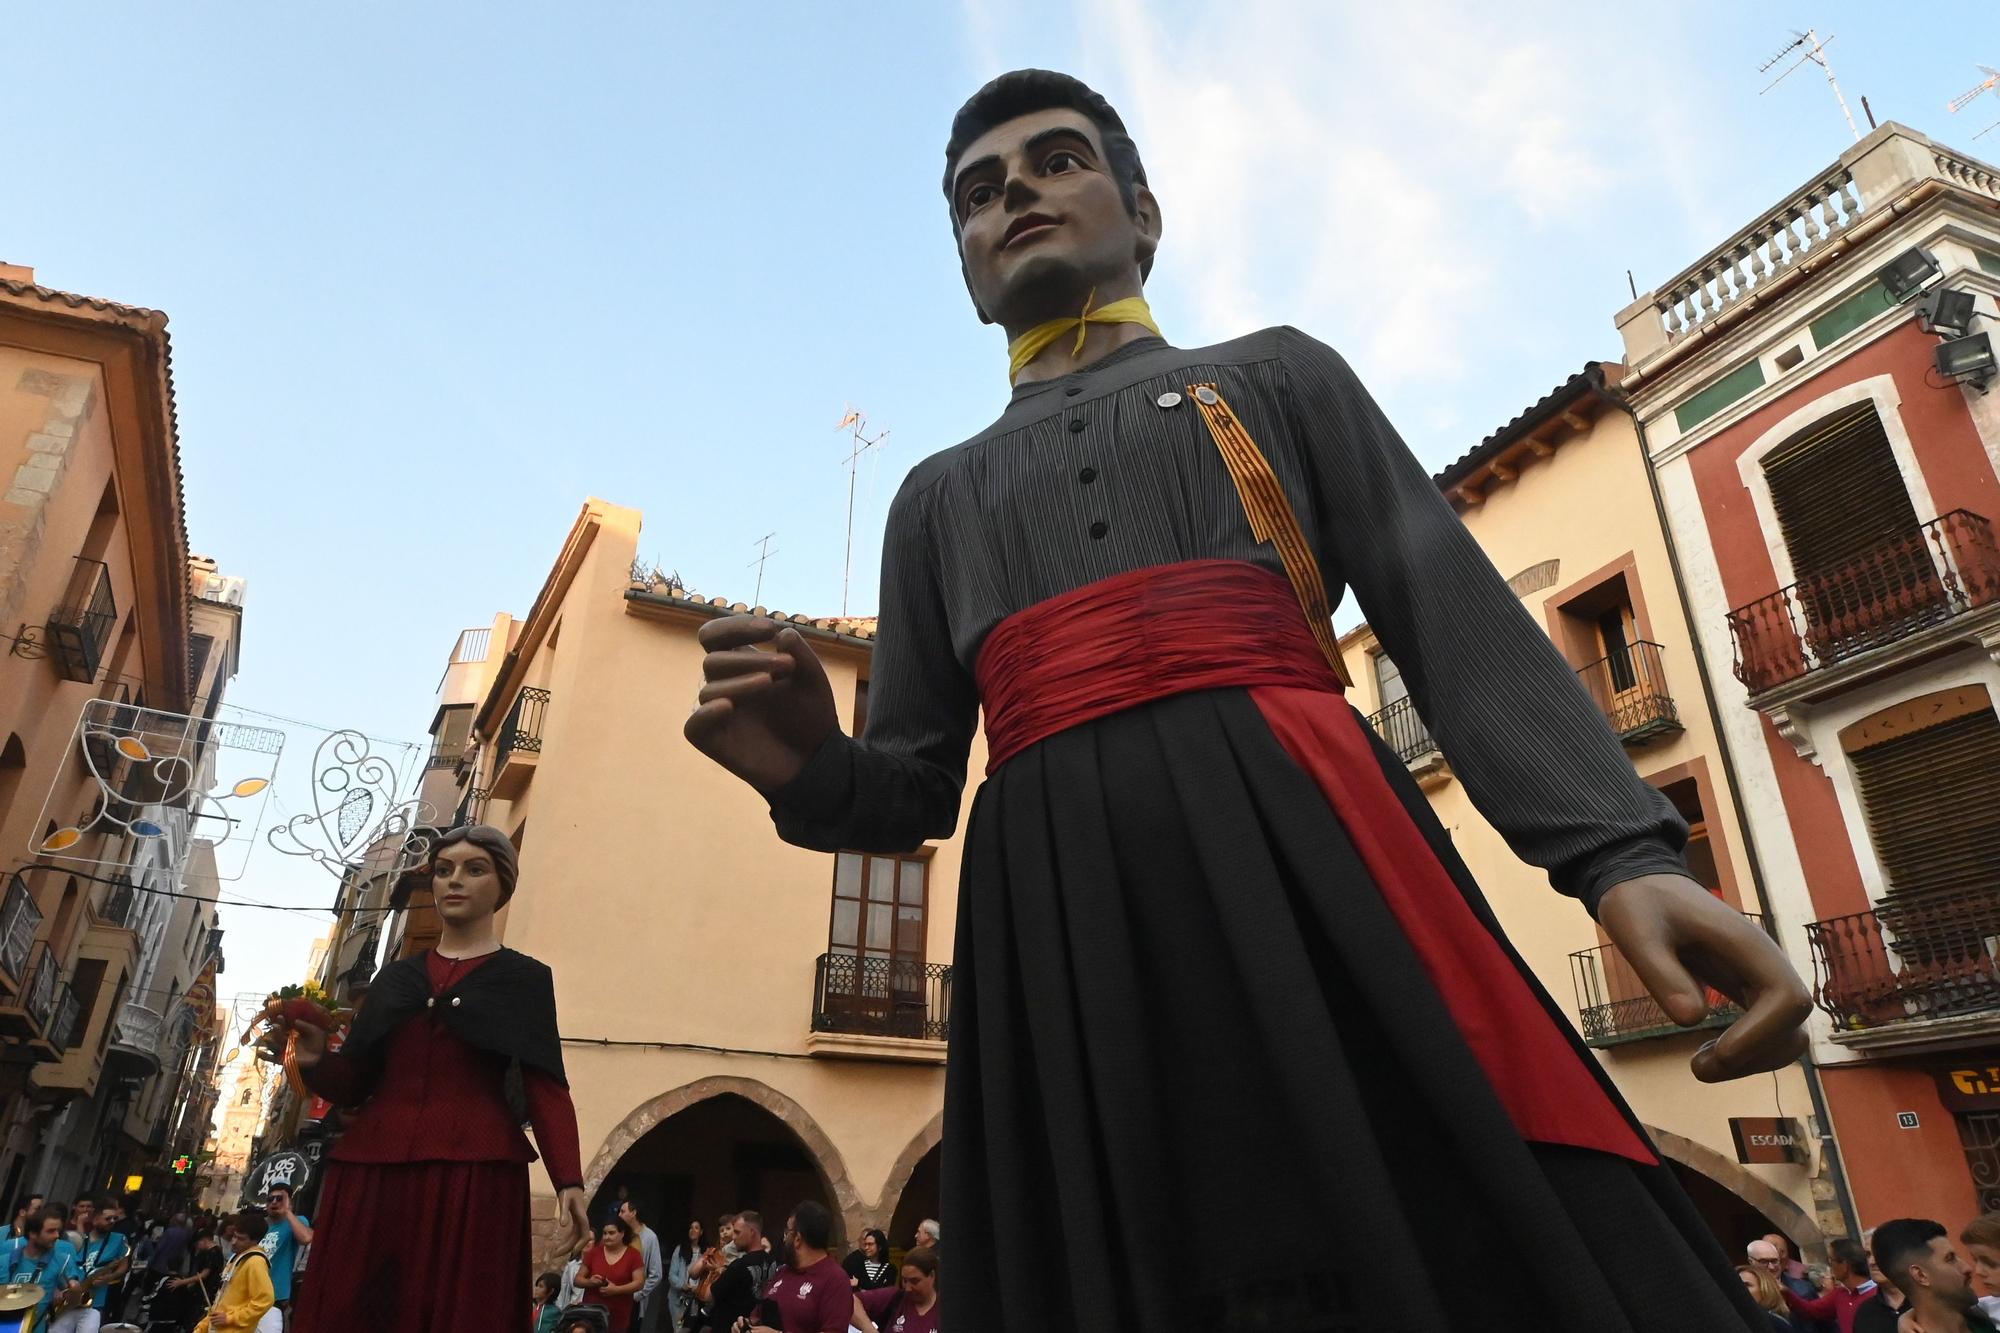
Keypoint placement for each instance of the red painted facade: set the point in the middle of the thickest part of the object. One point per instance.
(1894, 1170)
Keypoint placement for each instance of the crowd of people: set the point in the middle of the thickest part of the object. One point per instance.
(1904, 1276)
(99, 1262)
(740, 1280)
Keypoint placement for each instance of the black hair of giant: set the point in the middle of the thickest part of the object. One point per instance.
(1900, 1243)
(1025, 91)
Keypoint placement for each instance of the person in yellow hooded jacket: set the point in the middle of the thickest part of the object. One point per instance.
(248, 1302)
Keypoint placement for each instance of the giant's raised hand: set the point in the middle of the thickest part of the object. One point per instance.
(765, 706)
(1680, 938)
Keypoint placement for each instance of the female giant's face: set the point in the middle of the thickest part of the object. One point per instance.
(464, 883)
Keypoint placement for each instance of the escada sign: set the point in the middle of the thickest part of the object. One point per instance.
(1767, 1140)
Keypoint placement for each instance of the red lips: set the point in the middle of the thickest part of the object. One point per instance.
(1026, 222)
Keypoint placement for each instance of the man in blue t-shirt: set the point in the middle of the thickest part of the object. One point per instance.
(105, 1257)
(41, 1256)
(281, 1243)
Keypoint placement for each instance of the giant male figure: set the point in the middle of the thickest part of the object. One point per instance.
(1235, 1037)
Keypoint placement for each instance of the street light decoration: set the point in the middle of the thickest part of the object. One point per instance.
(156, 779)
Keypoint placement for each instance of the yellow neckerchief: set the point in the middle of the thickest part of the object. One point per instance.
(1131, 310)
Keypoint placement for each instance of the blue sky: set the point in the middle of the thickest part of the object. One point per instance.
(437, 272)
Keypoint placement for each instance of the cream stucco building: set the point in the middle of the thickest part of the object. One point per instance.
(746, 1024)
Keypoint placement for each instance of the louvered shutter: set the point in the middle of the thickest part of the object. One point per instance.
(1932, 800)
(1863, 565)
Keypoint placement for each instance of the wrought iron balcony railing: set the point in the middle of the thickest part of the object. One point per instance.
(39, 991)
(63, 1021)
(1915, 956)
(20, 922)
(140, 1032)
(523, 727)
(78, 630)
(882, 997)
(1613, 1005)
(1940, 569)
(1631, 690)
(1403, 731)
(121, 904)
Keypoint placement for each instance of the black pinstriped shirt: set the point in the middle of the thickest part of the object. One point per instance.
(1104, 471)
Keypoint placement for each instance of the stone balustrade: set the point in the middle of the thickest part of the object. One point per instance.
(1866, 179)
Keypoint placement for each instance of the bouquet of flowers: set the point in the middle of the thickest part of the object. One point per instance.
(271, 1029)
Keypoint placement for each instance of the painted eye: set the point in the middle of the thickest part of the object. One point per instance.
(1062, 161)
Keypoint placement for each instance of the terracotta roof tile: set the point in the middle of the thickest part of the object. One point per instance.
(658, 587)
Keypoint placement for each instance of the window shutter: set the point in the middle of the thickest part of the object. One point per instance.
(1838, 491)
(1932, 800)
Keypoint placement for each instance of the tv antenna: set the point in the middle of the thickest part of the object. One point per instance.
(764, 553)
(1811, 47)
(1971, 95)
(857, 426)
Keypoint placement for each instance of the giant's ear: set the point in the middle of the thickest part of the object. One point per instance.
(1146, 222)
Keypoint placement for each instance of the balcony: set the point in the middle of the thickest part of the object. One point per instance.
(20, 922)
(1900, 592)
(120, 907)
(79, 629)
(138, 1036)
(518, 748)
(1613, 1006)
(880, 1008)
(1630, 689)
(30, 1016)
(1918, 969)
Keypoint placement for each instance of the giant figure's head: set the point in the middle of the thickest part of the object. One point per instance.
(1048, 199)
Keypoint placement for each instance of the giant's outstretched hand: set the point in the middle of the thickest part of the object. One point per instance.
(1680, 938)
(761, 714)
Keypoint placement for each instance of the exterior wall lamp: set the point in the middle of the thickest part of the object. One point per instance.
(1909, 273)
(1967, 360)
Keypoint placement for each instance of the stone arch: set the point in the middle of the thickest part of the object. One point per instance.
(913, 1152)
(1791, 1219)
(658, 1110)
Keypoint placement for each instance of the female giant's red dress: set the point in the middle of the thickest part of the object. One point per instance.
(422, 1223)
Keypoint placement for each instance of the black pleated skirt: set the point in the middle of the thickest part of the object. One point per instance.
(1200, 1080)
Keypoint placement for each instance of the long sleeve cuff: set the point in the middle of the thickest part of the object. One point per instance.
(1590, 878)
(812, 809)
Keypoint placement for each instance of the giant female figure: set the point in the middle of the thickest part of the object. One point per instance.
(423, 1219)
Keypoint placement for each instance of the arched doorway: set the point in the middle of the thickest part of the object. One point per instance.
(1736, 1206)
(919, 1199)
(720, 1145)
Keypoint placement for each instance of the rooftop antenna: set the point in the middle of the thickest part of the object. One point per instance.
(764, 553)
(1811, 47)
(856, 425)
(1971, 95)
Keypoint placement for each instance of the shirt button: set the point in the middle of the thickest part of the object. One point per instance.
(1098, 529)
(1207, 395)
(1076, 425)
(431, 1003)
(455, 1001)
(1087, 476)
(1168, 399)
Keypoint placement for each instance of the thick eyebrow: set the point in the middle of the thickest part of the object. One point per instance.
(1035, 141)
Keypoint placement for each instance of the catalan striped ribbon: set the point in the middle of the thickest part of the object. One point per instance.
(1271, 517)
